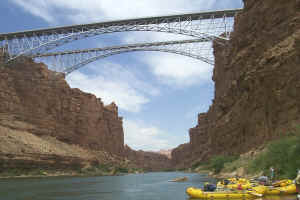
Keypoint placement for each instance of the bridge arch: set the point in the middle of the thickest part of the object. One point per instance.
(70, 61)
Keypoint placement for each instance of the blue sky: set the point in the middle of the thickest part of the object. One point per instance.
(159, 94)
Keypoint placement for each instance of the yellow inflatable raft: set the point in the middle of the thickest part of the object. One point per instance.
(198, 193)
(278, 197)
(289, 189)
(282, 183)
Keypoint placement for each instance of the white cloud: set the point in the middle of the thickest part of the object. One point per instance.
(179, 71)
(39, 9)
(140, 136)
(79, 11)
(174, 70)
(112, 82)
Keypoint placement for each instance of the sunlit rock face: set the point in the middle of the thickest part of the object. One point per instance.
(151, 161)
(32, 94)
(257, 82)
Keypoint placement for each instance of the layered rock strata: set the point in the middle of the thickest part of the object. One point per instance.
(257, 82)
(32, 94)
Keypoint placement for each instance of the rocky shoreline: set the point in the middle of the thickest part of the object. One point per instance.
(84, 173)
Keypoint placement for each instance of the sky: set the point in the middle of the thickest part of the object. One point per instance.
(159, 95)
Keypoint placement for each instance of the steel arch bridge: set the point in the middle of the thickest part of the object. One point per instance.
(69, 61)
(204, 26)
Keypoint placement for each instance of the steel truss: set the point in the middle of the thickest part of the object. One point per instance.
(211, 25)
(69, 61)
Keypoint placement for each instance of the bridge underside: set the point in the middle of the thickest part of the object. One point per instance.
(209, 25)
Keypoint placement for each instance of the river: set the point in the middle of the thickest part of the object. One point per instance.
(148, 186)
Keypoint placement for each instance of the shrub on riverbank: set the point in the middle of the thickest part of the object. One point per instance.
(217, 163)
(282, 154)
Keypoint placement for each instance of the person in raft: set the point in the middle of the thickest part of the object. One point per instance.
(209, 187)
(297, 183)
(272, 174)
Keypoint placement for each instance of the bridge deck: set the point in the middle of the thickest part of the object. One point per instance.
(139, 21)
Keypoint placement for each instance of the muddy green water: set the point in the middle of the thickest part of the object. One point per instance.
(148, 186)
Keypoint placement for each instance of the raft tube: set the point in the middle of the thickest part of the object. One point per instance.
(289, 189)
(282, 183)
(198, 193)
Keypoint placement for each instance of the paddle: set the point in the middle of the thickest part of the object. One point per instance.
(251, 191)
(255, 194)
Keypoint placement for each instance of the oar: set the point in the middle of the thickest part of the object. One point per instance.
(249, 192)
(256, 194)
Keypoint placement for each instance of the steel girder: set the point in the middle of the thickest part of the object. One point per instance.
(69, 61)
(212, 25)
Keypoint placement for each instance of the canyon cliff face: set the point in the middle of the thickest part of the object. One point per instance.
(46, 125)
(32, 94)
(181, 156)
(257, 83)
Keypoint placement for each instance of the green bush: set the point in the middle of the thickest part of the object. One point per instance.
(282, 154)
(167, 170)
(122, 170)
(104, 167)
(217, 163)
